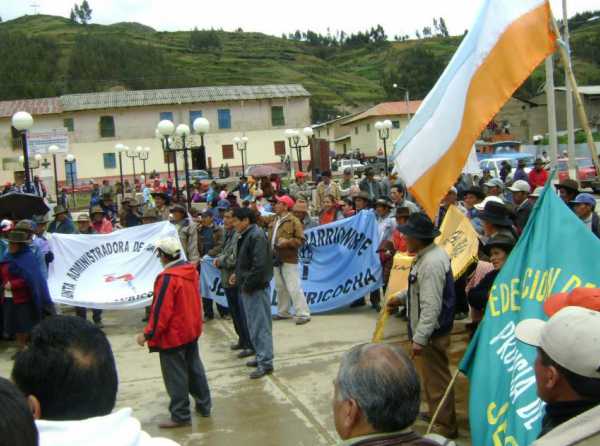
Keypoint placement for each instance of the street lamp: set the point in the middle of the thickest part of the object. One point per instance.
(120, 148)
(241, 144)
(53, 150)
(406, 98)
(183, 131)
(383, 129)
(144, 155)
(70, 161)
(166, 128)
(295, 142)
(201, 127)
(22, 121)
(132, 154)
(162, 145)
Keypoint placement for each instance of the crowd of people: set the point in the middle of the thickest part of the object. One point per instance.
(252, 234)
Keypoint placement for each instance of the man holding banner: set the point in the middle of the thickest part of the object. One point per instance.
(430, 301)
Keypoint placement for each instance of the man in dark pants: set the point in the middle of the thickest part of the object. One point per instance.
(226, 261)
(84, 226)
(253, 273)
(173, 330)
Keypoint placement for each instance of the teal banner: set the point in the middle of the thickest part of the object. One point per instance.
(556, 253)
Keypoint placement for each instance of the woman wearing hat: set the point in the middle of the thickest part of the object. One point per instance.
(498, 248)
(100, 223)
(61, 224)
(24, 290)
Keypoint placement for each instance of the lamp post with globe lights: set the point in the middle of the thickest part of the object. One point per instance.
(183, 131)
(166, 129)
(383, 130)
(165, 154)
(70, 161)
(144, 155)
(23, 121)
(53, 150)
(132, 154)
(295, 142)
(241, 144)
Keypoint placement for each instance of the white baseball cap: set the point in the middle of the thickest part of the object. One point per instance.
(481, 206)
(520, 186)
(170, 246)
(571, 338)
(537, 192)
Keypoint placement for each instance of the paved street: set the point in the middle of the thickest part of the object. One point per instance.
(290, 407)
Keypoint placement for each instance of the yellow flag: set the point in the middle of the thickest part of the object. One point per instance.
(459, 240)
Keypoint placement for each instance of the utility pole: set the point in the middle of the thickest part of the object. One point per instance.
(569, 98)
(550, 99)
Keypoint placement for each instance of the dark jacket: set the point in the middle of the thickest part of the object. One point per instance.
(373, 188)
(64, 227)
(522, 215)
(227, 257)
(254, 266)
(478, 295)
(210, 240)
(176, 312)
(405, 438)
(596, 224)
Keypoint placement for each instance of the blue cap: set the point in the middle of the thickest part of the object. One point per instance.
(585, 199)
(223, 204)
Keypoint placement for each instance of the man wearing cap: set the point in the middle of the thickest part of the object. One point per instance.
(324, 188)
(520, 196)
(398, 196)
(430, 301)
(61, 224)
(100, 222)
(187, 231)
(584, 206)
(385, 220)
(495, 187)
(537, 193)
(347, 184)
(568, 189)
(520, 173)
(538, 175)
(173, 329)
(299, 188)
(370, 185)
(568, 379)
(285, 238)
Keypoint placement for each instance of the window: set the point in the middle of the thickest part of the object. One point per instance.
(227, 151)
(396, 124)
(193, 116)
(277, 118)
(327, 131)
(224, 118)
(166, 115)
(279, 147)
(107, 127)
(356, 130)
(69, 124)
(110, 160)
(17, 139)
(368, 127)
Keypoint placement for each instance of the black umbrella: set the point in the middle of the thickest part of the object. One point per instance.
(17, 206)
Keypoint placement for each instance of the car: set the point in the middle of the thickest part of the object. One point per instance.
(585, 169)
(494, 163)
(352, 164)
(198, 175)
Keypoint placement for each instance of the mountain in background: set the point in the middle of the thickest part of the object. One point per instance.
(48, 56)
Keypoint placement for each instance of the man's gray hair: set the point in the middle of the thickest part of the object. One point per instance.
(384, 383)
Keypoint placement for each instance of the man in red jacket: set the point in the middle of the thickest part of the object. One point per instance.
(538, 175)
(173, 329)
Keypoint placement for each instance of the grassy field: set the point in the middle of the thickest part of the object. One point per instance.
(339, 79)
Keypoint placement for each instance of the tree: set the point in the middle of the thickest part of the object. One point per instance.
(418, 34)
(426, 31)
(204, 40)
(443, 28)
(73, 16)
(85, 12)
(435, 25)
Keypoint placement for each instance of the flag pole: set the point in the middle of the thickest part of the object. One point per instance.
(572, 163)
(550, 99)
(442, 402)
(564, 57)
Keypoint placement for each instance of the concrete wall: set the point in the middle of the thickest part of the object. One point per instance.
(365, 138)
(135, 127)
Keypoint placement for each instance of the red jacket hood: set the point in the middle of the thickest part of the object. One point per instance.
(184, 270)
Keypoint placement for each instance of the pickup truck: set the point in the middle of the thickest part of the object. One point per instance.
(353, 164)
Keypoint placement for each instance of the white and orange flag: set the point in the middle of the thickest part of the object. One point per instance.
(508, 40)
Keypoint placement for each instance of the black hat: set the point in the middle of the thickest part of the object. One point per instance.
(568, 184)
(477, 191)
(18, 237)
(402, 212)
(178, 208)
(163, 195)
(419, 226)
(363, 196)
(383, 202)
(502, 241)
(496, 214)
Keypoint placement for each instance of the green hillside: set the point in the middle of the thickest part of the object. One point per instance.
(47, 55)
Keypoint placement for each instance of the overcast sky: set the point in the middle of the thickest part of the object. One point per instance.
(276, 16)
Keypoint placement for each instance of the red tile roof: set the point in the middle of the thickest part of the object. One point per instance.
(387, 109)
(43, 106)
